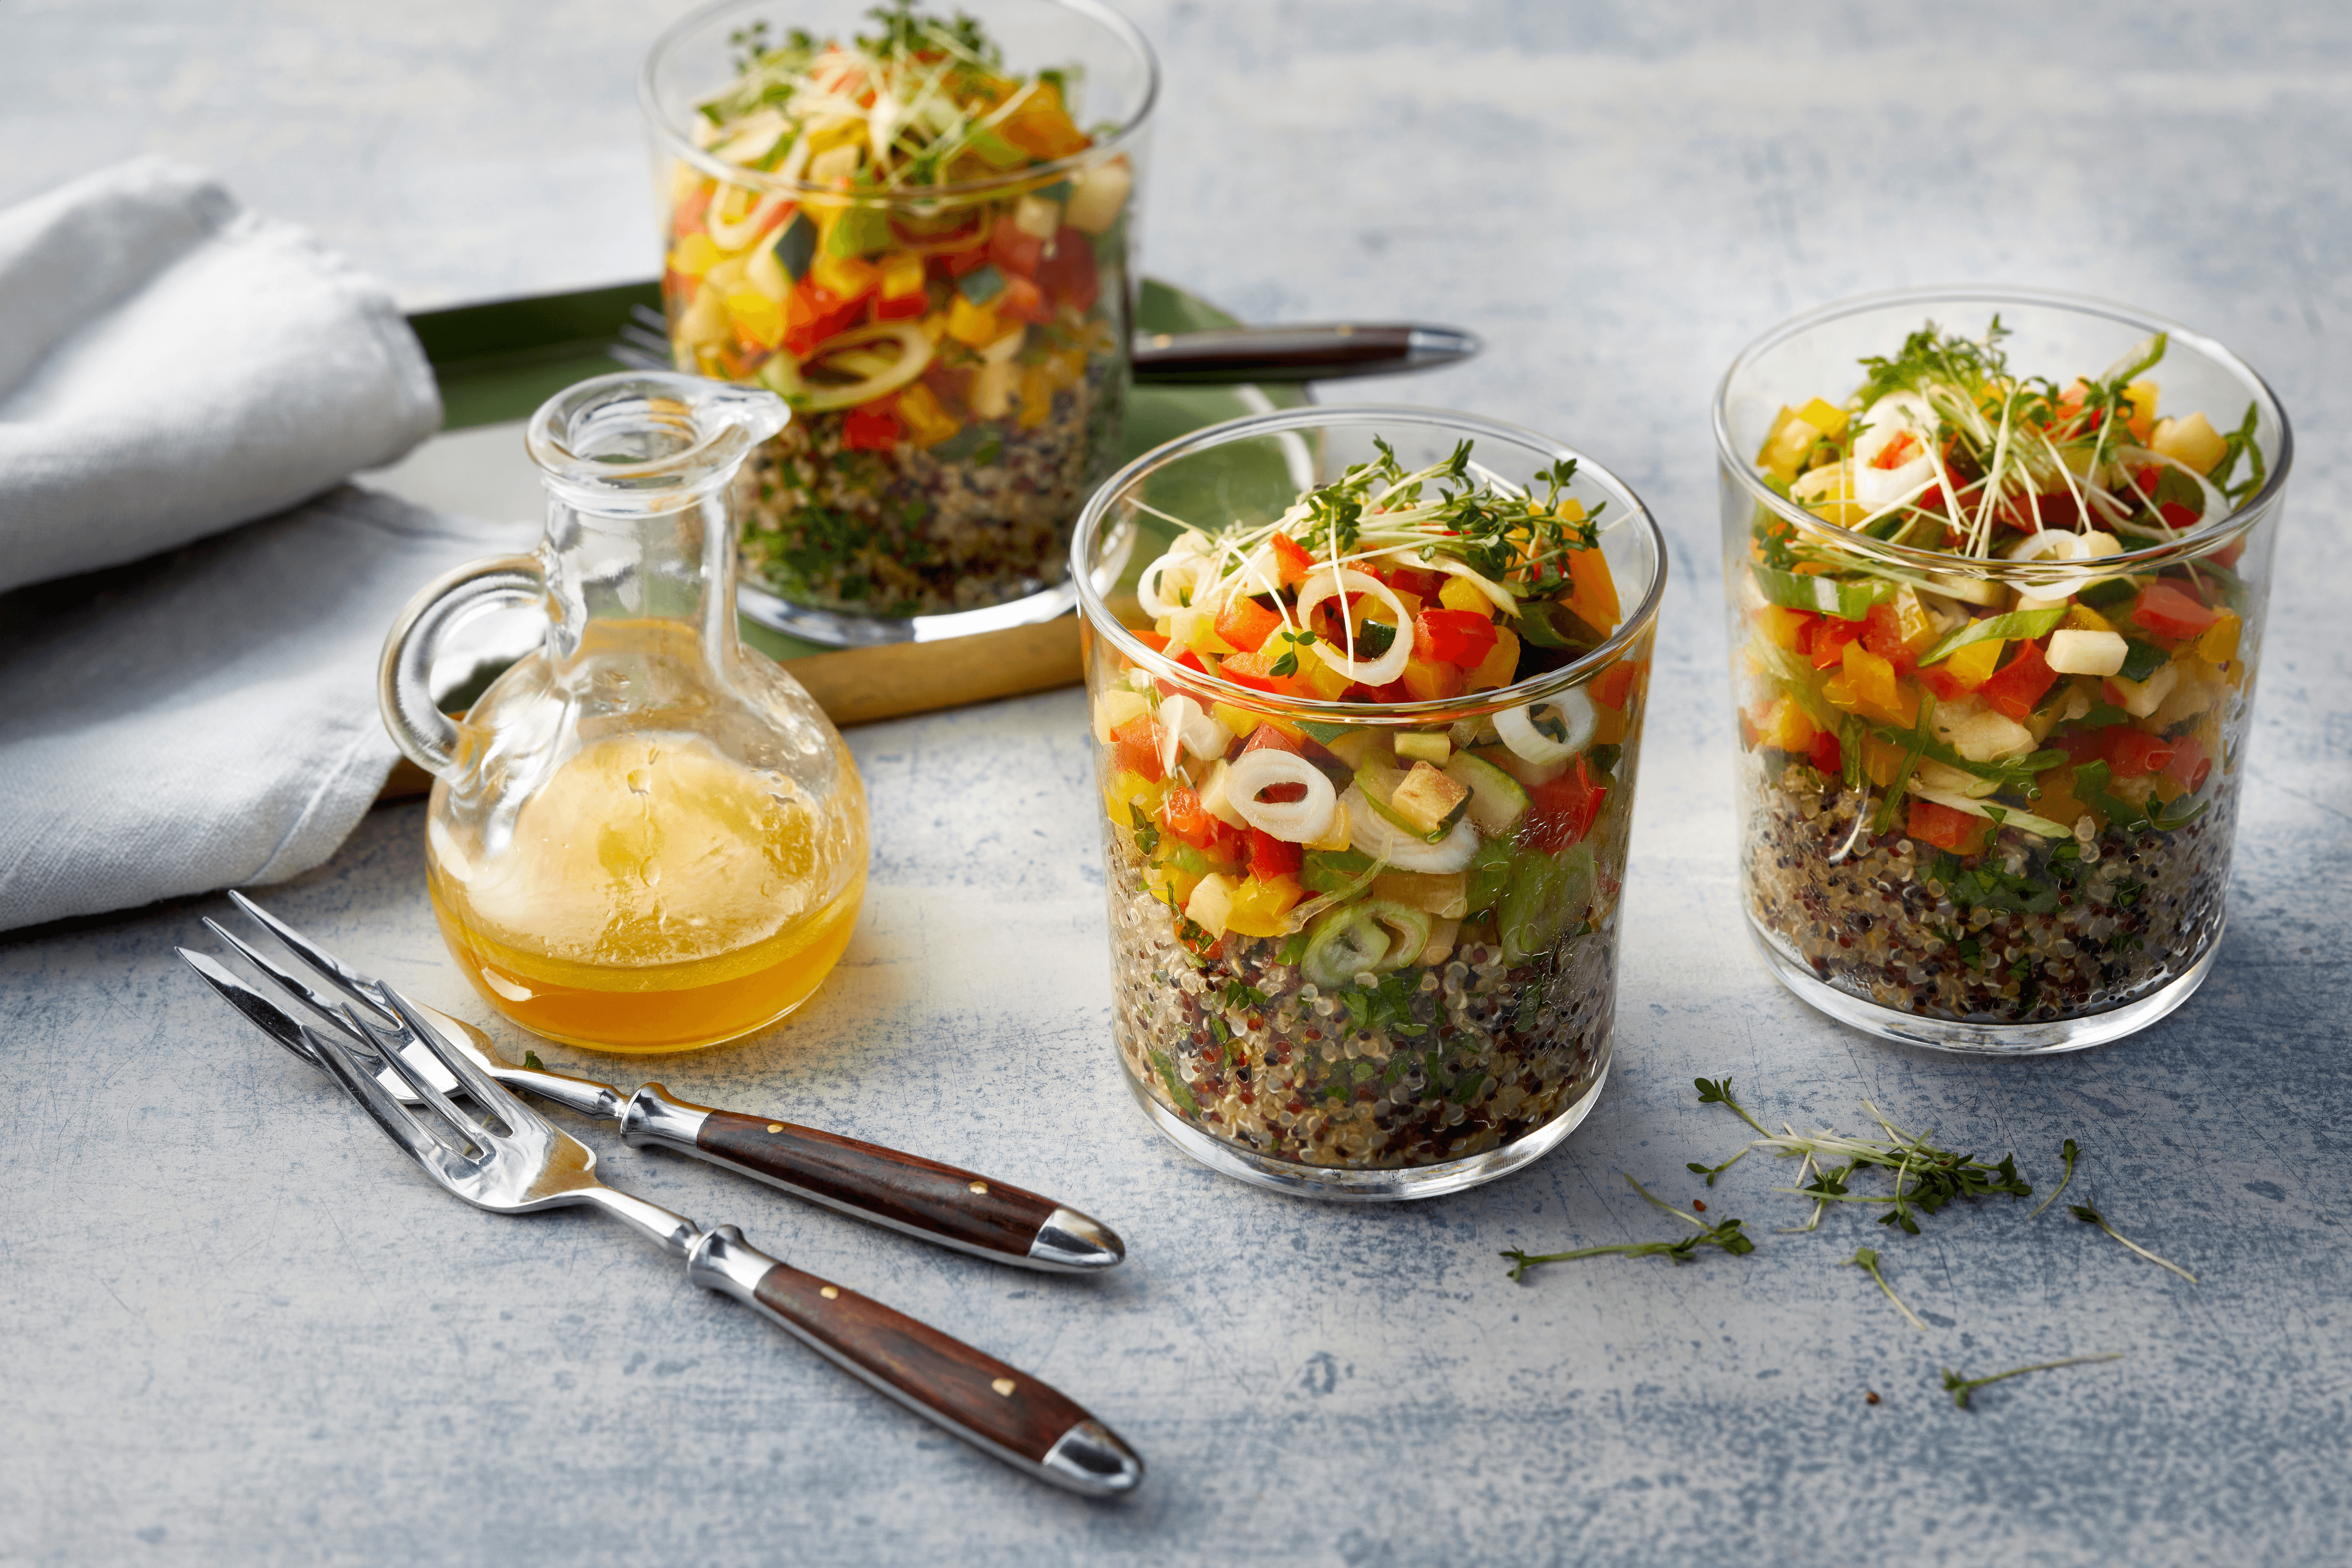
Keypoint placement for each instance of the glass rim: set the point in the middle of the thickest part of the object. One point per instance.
(1119, 143)
(1635, 624)
(2197, 541)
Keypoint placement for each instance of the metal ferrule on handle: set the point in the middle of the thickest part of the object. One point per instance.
(922, 1198)
(1029, 1425)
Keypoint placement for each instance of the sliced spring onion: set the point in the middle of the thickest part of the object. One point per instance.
(1323, 583)
(1181, 721)
(1293, 821)
(1822, 594)
(2016, 624)
(1370, 834)
(1177, 572)
(744, 230)
(1552, 736)
(914, 354)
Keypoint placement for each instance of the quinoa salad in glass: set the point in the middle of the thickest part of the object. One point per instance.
(1346, 939)
(1992, 664)
(923, 251)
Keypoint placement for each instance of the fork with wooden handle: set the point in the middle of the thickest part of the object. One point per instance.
(921, 1197)
(514, 1161)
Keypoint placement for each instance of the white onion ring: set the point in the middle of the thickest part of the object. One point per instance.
(1516, 726)
(1321, 585)
(1186, 556)
(1181, 719)
(735, 236)
(1371, 834)
(1293, 821)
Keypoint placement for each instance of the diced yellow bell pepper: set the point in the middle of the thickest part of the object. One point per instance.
(695, 255)
(845, 276)
(1791, 436)
(2142, 419)
(1609, 726)
(926, 422)
(1877, 692)
(1036, 396)
(1127, 789)
(2219, 645)
(1828, 421)
(2080, 617)
(1319, 677)
(2192, 441)
(1428, 682)
(1336, 835)
(1170, 884)
(1501, 662)
(1461, 594)
(1881, 760)
(759, 320)
(1972, 665)
(972, 325)
(1781, 724)
(902, 274)
(1594, 600)
(1780, 626)
(1259, 908)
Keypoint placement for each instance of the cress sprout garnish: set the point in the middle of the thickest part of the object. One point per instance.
(2090, 1216)
(1727, 1236)
(1961, 1387)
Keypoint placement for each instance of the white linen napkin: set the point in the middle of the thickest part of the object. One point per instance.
(170, 366)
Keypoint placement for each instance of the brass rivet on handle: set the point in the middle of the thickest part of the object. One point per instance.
(775, 1127)
(831, 1292)
(980, 1186)
(1005, 1386)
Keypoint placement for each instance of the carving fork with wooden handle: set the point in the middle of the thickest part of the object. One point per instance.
(937, 1203)
(508, 1159)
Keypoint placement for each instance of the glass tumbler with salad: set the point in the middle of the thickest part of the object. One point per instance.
(1996, 563)
(1366, 689)
(916, 230)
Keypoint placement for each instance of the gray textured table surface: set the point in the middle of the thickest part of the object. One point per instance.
(236, 1330)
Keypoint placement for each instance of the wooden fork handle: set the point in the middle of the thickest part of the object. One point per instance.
(1026, 1423)
(922, 1198)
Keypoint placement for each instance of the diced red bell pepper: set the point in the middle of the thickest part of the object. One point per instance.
(1415, 580)
(871, 428)
(1946, 828)
(1882, 633)
(1186, 659)
(905, 308)
(1291, 560)
(1182, 815)
(2134, 753)
(1016, 252)
(814, 313)
(1022, 300)
(1458, 638)
(2018, 685)
(1149, 638)
(1829, 639)
(1069, 276)
(2080, 745)
(1825, 753)
(1246, 623)
(1614, 687)
(1135, 745)
(1561, 812)
(2190, 765)
(954, 264)
(2170, 611)
(1270, 856)
(2178, 515)
(1266, 737)
(1394, 691)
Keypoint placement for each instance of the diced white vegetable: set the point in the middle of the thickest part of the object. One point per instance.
(1293, 821)
(2142, 698)
(1212, 903)
(1551, 730)
(2074, 652)
(1214, 799)
(1101, 193)
(1036, 217)
(1979, 733)
(992, 390)
(1117, 707)
(1944, 777)
(1975, 590)
(1374, 835)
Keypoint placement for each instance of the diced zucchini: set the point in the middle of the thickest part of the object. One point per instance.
(1418, 747)
(1497, 800)
(1427, 801)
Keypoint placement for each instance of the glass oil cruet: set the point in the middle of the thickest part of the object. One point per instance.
(644, 837)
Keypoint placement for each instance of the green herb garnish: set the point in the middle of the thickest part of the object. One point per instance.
(1961, 1387)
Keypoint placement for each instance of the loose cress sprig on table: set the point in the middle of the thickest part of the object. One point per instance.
(1961, 1387)
(1727, 1236)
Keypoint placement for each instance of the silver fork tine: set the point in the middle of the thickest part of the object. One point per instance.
(415, 1082)
(273, 1020)
(380, 1106)
(487, 1091)
(283, 975)
(362, 988)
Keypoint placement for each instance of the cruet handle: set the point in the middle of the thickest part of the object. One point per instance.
(425, 735)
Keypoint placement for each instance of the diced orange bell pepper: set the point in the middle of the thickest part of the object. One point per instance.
(1615, 686)
(1594, 598)
(2134, 753)
(1784, 628)
(1429, 682)
(1291, 561)
(1255, 670)
(1946, 828)
(1784, 726)
(2169, 610)
(1876, 690)
(1136, 745)
(2219, 646)
(1964, 671)
(1246, 623)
